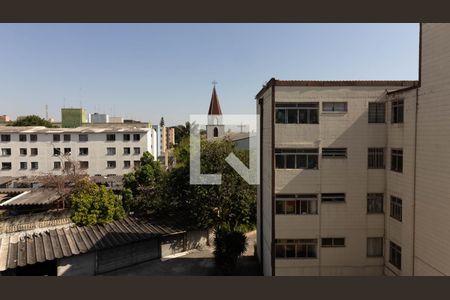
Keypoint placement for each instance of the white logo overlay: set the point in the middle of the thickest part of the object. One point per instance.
(223, 126)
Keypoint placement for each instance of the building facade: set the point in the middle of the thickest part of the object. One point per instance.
(73, 117)
(353, 172)
(33, 151)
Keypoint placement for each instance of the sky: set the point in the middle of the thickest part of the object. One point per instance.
(149, 71)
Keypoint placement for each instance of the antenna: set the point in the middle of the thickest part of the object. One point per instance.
(46, 111)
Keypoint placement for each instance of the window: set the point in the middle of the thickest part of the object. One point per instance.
(83, 151)
(5, 138)
(67, 138)
(305, 204)
(23, 165)
(22, 137)
(57, 165)
(396, 208)
(375, 247)
(110, 164)
(297, 158)
(397, 111)
(375, 159)
(110, 151)
(33, 138)
(67, 151)
(126, 137)
(334, 106)
(333, 242)
(83, 137)
(6, 166)
(397, 160)
(334, 152)
(137, 150)
(34, 165)
(56, 137)
(126, 151)
(337, 197)
(377, 112)
(56, 151)
(110, 137)
(137, 163)
(23, 151)
(34, 151)
(375, 203)
(84, 165)
(297, 113)
(302, 248)
(6, 151)
(216, 132)
(136, 137)
(395, 255)
(126, 164)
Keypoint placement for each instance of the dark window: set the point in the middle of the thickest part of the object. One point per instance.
(5, 137)
(33, 138)
(397, 111)
(375, 159)
(126, 164)
(6, 151)
(334, 106)
(377, 112)
(110, 151)
(23, 165)
(334, 152)
(22, 137)
(333, 242)
(126, 137)
(57, 165)
(395, 255)
(397, 160)
(335, 197)
(6, 166)
(56, 137)
(110, 164)
(297, 113)
(67, 138)
(67, 151)
(23, 151)
(216, 132)
(375, 203)
(126, 151)
(375, 247)
(136, 137)
(83, 137)
(297, 158)
(110, 137)
(137, 150)
(34, 165)
(84, 164)
(301, 248)
(83, 151)
(34, 151)
(396, 208)
(56, 151)
(303, 204)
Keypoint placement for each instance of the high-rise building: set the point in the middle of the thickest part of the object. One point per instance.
(354, 174)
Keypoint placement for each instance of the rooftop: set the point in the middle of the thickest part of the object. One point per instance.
(84, 129)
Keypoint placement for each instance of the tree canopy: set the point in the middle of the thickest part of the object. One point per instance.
(32, 120)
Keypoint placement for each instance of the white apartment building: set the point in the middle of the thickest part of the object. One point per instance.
(354, 174)
(34, 151)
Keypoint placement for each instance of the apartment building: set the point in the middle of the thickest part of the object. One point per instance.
(354, 173)
(33, 151)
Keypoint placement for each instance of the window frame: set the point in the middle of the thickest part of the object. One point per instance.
(296, 244)
(372, 197)
(377, 114)
(333, 105)
(396, 208)
(304, 107)
(110, 137)
(333, 242)
(298, 199)
(331, 197)
(397, 160)
(338, 153)
(374, 162)
(285, 154)
(397, 111)
(395, 255)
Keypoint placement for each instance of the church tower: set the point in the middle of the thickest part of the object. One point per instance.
(215, 127)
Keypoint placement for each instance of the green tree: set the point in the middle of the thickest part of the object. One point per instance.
(92, 204)
(32, 120)
(183, 131)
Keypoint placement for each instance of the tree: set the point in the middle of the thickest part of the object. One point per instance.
(32, 120)
(183, 131)
(229, 245)
(92, 204)
(161, 123)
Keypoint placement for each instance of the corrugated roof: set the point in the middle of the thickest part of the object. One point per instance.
(5, 179)
(33, 197)
(17, 250)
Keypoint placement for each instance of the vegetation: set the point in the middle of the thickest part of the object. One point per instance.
(229, 245)
(32, 120)
(92, 204)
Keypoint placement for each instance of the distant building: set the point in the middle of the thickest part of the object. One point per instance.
(215, 127)
(73, 117)
(99, 118)
(117, 120)
(111, 150)
(4, 119)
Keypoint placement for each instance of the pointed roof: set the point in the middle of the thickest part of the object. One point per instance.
(214, 106)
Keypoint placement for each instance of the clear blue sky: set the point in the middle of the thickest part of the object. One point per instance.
(145, 71)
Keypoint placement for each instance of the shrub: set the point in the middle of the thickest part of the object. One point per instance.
(229, 245)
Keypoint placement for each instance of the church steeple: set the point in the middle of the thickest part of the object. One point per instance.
(215, 128)
(214, 106)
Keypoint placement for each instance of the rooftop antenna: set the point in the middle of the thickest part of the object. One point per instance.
(46, 111)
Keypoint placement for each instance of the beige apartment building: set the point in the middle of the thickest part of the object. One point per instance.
(354, 174)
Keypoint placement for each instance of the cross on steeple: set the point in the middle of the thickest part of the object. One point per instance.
(214, 83)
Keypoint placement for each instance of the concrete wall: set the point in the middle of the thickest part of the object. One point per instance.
(80, 265)
(196, 239)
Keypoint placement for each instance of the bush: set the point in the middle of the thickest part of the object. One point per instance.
(229, 245)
